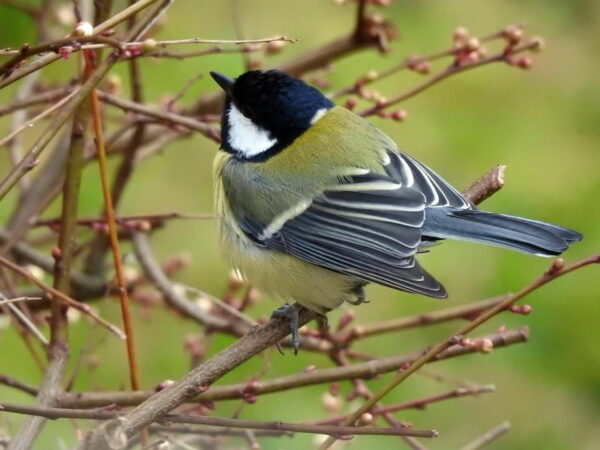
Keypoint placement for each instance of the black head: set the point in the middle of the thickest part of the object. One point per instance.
(266, 111)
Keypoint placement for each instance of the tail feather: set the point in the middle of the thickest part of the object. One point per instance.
(516, 233)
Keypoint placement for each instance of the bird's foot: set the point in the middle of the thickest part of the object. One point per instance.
(289, 313)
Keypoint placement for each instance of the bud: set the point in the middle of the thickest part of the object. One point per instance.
(460, 34)
(371, 75)
(83, 29)
(163, 385)
(149, 45)
(57, 253)
(526, 309)
(112, 84)
(274, 47)
(513, 34)
(331, 403)
(399, 115)
(472, 44)
(423, 67)
(351, 103)
(538, 43)
(524, 63)
(557, 265)
(366, 419)
(335, 389)
(484, 345)
(204, 304)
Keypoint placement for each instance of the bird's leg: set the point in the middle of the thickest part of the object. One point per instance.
(290, 313)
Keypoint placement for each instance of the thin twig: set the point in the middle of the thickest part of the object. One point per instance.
(50, 58)
(488, 437)
(443, 345)
(114, 241)
(447, 73)
(85, 309)
(31, 122)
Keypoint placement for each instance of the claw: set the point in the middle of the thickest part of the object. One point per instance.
(289, 313)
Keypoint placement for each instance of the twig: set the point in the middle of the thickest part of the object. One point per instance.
(29, 161)
(54, 46)
(168, 117)
(318, 376)
(19, 299)
(221, 304)
(555, 272)
(488, 437)
(447, 73)
(48, 59)
(48, 96)
(332, 430)
(28, 324)
(487, 185)
(154, 272)
(31, 122)
(467, 311)
(153, 219)
(114, 241)
(85, 309)
(418, 403)
(17, 384)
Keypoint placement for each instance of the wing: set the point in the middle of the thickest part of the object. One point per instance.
(368, 226)
(411, 173)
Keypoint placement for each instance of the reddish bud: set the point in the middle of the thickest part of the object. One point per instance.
(335, 389)
(557, 265)
(351, 103)
(65, 52)
(524, 63)
(57, 253)
(346, 318)
(399, 115)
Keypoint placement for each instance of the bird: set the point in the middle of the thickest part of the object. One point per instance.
(313, 202)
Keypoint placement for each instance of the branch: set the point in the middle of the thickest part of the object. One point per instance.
(556, 270)
(331, 430)
(85, 309)
(364, 370)
(195, 381)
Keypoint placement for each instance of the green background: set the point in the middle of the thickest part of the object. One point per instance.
(543, 124)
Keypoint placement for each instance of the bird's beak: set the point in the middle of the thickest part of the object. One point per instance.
(224, 81)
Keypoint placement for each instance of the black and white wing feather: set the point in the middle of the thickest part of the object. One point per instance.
(368, 227)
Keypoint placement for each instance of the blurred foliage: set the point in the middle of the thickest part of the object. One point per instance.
(542, 124)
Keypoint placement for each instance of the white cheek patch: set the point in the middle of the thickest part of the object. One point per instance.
(245, 136)
(318, 115)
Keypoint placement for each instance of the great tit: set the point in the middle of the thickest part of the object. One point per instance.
(313, 202)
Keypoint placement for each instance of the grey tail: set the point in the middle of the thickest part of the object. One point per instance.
(516, 233)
